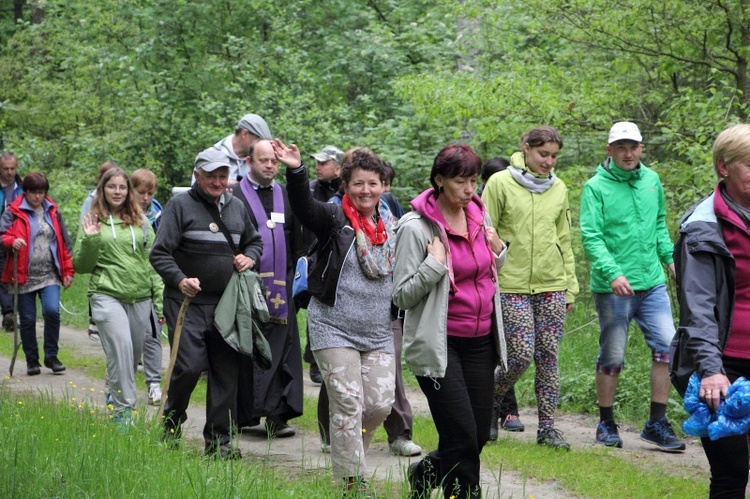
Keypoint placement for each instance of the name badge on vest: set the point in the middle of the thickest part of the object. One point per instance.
(278, 218)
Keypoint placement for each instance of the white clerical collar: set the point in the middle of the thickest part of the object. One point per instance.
(257, 186)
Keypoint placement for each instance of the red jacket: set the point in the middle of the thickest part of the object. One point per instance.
(16, 223)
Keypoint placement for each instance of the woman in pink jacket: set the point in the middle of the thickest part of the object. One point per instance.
(445, 278)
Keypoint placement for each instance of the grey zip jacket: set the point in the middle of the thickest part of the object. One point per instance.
(705, 286)
(421, 287)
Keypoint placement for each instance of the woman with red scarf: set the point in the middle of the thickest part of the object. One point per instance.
(350, 311)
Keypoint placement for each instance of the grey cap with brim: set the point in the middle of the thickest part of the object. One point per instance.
(211, 159)
(328, 153)
(255, 125)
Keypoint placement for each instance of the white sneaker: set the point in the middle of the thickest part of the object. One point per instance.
(154, 394)
(404, 447)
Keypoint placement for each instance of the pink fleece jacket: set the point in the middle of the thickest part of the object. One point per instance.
(737, 239)
(471, 267)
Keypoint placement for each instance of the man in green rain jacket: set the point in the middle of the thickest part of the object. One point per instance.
(625, 237)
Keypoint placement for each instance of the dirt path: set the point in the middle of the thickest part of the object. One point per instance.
(303, 450)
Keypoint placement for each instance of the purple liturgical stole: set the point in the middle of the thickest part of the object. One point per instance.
(273, 260)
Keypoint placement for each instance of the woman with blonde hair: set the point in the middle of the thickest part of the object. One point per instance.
(712, 267)
(144, 184)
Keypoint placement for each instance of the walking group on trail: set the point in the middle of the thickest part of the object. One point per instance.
(467, 288)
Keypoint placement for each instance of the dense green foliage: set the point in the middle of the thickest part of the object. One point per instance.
(150, 84)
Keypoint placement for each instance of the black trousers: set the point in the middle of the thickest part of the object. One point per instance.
(728, 456)
(6, 293)
(509, 404)
(461, 407)
(202, 348)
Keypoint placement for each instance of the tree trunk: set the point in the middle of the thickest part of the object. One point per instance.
(18, 9)
(742, 77)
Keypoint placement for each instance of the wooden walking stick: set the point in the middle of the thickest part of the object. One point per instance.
(173, 352)
(16, 342)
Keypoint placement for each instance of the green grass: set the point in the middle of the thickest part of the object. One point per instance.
(55, 448)
(595, 471)
(66, 450)
(50, 449)
(75, 303)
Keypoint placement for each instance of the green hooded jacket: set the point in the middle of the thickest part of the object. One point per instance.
(536, 228)
(117, 259)
(623, 227)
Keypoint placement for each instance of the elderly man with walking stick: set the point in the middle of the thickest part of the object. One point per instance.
(205, 235)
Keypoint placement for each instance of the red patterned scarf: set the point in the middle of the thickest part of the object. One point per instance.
(376, 235)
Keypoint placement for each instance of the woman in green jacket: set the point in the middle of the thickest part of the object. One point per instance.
(528, 205)
(113, 245)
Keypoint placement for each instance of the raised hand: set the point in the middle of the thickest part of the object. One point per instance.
(91, 224)
(289, 155)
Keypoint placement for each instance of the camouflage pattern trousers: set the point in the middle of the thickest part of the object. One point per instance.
(361, 390)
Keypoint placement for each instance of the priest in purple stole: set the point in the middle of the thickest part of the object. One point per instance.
(276, 393)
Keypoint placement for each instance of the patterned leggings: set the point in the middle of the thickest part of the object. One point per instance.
(533, 329)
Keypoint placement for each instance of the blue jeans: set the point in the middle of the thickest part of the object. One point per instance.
(50, 298)
(653, 313)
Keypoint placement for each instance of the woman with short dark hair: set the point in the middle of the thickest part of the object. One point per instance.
(350, 310)
(33, 227)
(445, 279)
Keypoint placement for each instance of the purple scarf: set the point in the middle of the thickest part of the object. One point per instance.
(272, 267)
